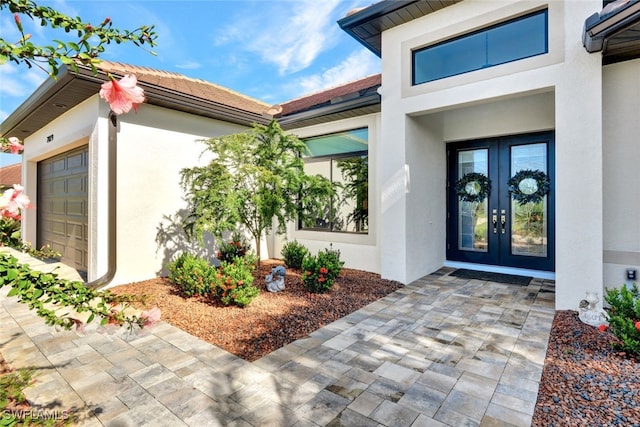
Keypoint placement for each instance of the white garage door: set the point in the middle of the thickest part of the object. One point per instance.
(62, 206)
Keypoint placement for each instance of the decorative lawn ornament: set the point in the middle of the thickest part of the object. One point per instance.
(473, 187)
(529, 186)
(275, 280)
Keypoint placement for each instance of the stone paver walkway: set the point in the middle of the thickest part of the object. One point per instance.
(439, 352)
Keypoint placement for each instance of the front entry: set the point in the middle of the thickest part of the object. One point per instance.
(501, 201)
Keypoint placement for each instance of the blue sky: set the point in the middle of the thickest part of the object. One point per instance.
(274, 50)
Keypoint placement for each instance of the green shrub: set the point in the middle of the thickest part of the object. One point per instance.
(624, 316)
(319, 272)
(192, 275)
(10, 236)
(234, 282)
(10, 233)
(237, 246)
(293, 253)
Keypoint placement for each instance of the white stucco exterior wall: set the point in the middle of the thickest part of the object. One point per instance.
(557, 91)
(154, 145)
(621, 127)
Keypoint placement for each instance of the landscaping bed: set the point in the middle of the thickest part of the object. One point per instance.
(586, 382)
(271, 320)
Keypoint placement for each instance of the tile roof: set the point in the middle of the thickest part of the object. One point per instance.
(331, 95)
(186, 85)
(10, 175)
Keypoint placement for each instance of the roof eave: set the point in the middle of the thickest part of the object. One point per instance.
(289, 121)
(597, 31)
(155, 96)
(371, 13)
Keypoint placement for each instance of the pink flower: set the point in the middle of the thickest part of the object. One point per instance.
(602, 328)
(122, 95)
(323, 270)
(79, 326)
(151, 317)
(12, 201)
(637, 325)
(14, 145)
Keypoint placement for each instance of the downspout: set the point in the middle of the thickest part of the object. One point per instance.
(112, 176)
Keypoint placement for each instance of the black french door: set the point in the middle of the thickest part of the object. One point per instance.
(501, 201)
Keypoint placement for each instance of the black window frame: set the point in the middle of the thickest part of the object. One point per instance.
(333, 158)
(469, 36)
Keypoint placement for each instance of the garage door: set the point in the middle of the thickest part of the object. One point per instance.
(62, 206)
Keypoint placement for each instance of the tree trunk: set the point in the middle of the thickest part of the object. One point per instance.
(257, 239)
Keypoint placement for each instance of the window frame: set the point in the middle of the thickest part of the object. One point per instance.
(470, 35)
(335, 158)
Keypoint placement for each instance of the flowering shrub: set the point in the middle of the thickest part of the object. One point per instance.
(293, 254)
(624, 316)
(122, 95)
(236, 247)
(320, 272)
(38, 289)
(192, 275)
(234, 282)
(231, 283)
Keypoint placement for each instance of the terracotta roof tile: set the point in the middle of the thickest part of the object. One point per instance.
(187, 85)
(10, 175)
(326, 95)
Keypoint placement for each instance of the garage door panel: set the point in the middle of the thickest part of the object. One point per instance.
(63, 206)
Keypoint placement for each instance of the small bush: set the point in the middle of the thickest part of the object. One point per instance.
(10, 236)
(624, 316)
(320, 272)
(192, 275)
(293, 253)
(234, 282)
(237, 246)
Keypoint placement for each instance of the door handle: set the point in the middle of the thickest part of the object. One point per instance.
(495, 223)
(503, 220)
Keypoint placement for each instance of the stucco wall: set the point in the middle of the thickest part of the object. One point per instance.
(153, 146)
(558, 90)
(621, 92)
(360, 251)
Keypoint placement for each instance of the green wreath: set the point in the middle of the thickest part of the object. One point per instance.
(529, 186)
(473, 187)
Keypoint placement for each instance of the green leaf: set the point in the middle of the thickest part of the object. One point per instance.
(12, 292)
(90, 319)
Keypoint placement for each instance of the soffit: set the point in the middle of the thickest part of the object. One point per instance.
(366, 25)
(615, 33)
(54, 97)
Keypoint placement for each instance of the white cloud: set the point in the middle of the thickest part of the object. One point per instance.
(291, 36)
(189, 65)
(359, 64)
(18, 82)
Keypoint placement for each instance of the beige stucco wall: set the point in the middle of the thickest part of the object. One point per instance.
(559, 90)
(359, 251)
(621, 102)
(153, 145)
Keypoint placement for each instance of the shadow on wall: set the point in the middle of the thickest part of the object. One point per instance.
(172, 239)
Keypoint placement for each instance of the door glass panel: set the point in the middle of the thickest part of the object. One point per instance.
(529, 221)
(473, 216)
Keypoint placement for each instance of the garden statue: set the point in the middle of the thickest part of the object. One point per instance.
(275, 280)
(589, 314)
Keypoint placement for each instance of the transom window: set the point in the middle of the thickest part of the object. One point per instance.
(516, 39)
(343, 159)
